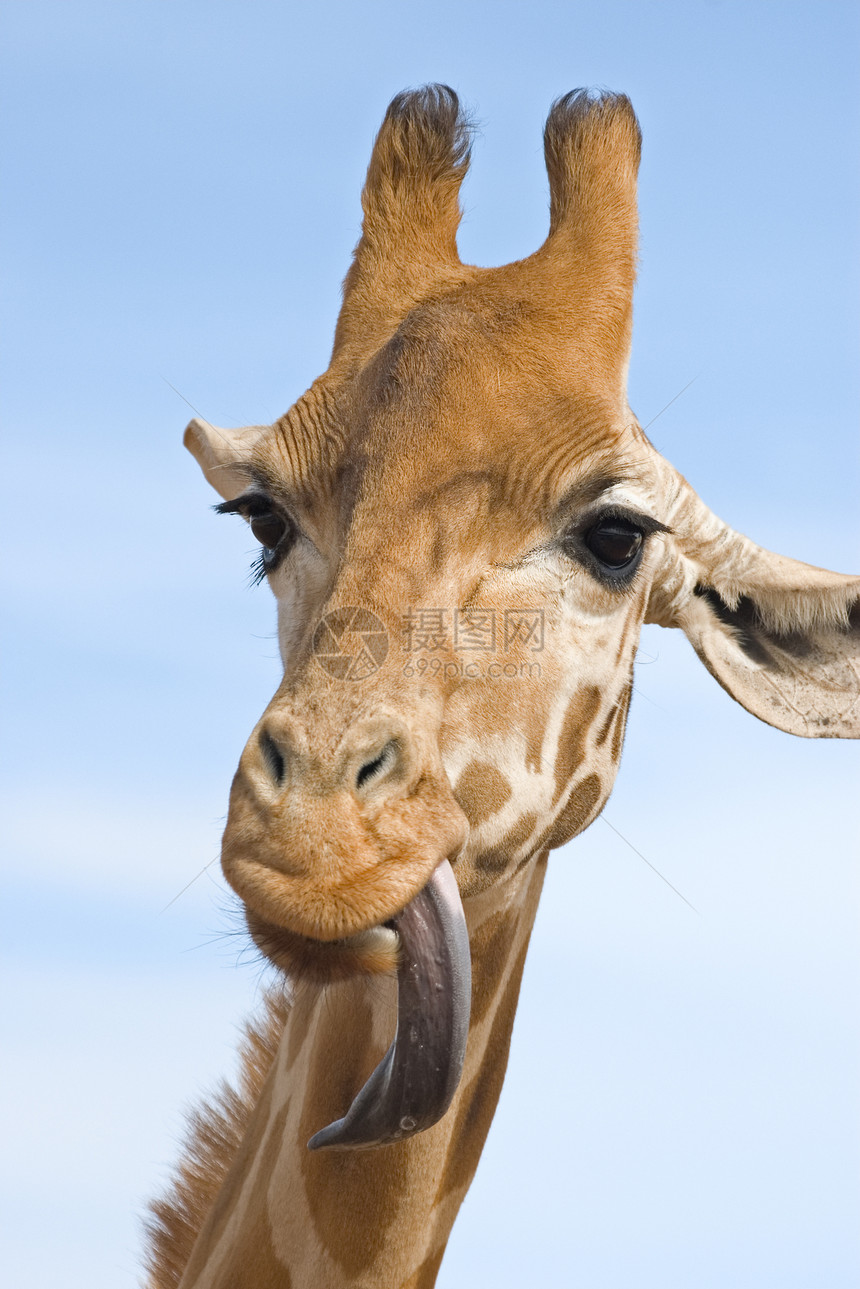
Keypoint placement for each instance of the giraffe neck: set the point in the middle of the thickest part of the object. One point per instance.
(287, 1217)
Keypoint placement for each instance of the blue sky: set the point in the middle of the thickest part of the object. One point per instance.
(181, 202)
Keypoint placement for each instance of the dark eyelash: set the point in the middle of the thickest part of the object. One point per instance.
(646, 523)
(258, 570)
(245, 506)
(231, 507)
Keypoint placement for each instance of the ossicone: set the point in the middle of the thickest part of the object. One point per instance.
(592, 146)
(424, 136)
(408, 245)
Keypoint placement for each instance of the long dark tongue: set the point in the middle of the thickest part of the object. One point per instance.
(415, 1081)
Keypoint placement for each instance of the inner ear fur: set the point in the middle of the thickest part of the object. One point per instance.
(782, 637)
(223, 454)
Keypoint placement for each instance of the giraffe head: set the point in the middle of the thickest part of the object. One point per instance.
(464, 527)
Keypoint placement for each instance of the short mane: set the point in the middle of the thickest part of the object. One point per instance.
(213, 1136)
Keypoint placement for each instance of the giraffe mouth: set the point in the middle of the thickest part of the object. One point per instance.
(416, 1080)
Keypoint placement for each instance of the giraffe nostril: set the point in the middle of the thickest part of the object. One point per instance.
(273, 758)
(377, 766)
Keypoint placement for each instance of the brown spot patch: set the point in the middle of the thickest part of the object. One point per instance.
(621, 724)
(481, 791)
(478, 1101)
(603, 733)
(491, 945)
(495, 860)
(632, 618)
(354, 1196)
(577, 810)
(578, 719)
(519, 834)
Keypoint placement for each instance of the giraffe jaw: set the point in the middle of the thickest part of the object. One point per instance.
(416, 1080)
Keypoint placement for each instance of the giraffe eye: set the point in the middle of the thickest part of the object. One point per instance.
(269, 528)
(274, 530)
(615, 542)
(276, 534)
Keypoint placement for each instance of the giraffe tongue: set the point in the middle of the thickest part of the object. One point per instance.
(415, 1081)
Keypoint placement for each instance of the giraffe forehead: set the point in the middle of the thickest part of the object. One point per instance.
(496, 324)
(460, 401)
(513, 435)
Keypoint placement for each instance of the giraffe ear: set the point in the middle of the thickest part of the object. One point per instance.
(783, 638)
(223, 455)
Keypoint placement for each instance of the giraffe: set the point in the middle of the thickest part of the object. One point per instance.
(464, 527)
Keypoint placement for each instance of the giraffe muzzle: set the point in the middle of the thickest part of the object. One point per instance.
(327, 836)
(415, 1081)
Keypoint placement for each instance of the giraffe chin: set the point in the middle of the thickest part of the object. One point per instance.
(374, 952)
(416, 1080)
